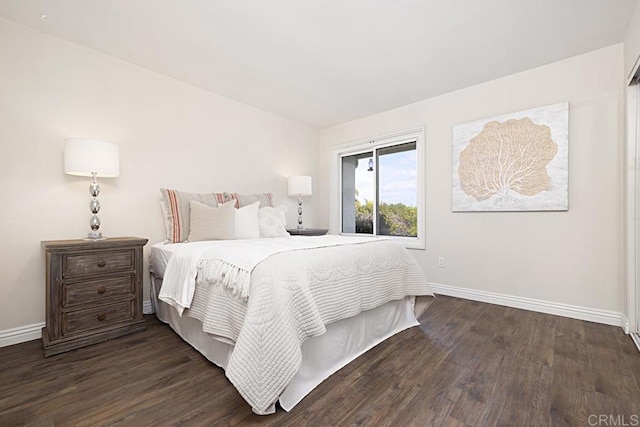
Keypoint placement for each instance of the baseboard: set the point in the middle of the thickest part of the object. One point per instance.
(626, 325)
(34, 332)
(559, 309)
(147, 307)
(21, 334)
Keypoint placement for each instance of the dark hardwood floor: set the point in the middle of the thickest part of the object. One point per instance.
(468, 363)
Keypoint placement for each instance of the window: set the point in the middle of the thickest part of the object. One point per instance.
(379, 188)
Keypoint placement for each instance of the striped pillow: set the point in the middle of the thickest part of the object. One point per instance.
(265, 199)
(177, 214)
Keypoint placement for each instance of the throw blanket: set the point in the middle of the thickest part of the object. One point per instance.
(293, 295)
(229, 263)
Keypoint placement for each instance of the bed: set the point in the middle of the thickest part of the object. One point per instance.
(282, 314)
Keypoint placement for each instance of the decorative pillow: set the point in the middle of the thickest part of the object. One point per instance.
(273, 221)
(247, 226)
(166, 215)
(265, 199)
(176, 211)
(209, 223)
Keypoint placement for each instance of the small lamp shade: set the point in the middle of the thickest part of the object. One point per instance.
(299, 186)
(83, 157)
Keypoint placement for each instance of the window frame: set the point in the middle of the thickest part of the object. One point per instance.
(371, 144)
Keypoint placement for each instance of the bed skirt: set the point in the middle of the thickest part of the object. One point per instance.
(322, 356)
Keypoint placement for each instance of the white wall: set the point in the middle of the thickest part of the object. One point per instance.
(170, 135)
(573, 257)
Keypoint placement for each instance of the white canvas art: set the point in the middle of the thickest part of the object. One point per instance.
(513, 162)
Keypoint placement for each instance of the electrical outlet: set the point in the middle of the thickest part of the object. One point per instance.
(441, 261)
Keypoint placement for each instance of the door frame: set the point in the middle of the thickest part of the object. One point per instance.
(632, 178)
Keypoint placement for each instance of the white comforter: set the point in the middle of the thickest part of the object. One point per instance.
(229, 263)
(293, 295)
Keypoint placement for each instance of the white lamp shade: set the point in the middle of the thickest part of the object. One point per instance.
(299, 186)
(83, 157)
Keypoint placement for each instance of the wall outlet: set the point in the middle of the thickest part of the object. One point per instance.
(441, 261)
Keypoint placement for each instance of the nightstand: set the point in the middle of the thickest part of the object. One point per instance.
(307, 232)
(94, 291)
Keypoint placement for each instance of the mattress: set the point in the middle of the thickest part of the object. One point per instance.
(160, 254)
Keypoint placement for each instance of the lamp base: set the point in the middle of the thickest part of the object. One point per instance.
(95, 235)
(300, 226)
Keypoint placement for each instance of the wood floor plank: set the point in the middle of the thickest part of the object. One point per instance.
(536, 338)
(523, 398)
(467, 364)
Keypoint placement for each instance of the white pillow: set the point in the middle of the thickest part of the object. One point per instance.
(246, 222)
(273, 221)
(209, 223)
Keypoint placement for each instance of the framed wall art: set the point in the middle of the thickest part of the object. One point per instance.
(514, 162)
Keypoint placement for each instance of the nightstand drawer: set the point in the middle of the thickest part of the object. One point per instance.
(98, 291)
(74, 265)
(99, 317)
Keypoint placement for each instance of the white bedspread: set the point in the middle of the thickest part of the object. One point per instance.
(292, 296)
(229, 263)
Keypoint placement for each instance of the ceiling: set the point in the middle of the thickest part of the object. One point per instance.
(324, 62)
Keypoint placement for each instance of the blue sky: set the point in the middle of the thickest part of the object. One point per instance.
(398, 179)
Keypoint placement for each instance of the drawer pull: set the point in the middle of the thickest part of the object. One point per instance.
(101, 263)
(101, 317)
(102, 290)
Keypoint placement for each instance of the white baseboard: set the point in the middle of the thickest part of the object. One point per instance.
(34, 332)
(147, 307)
(21, 334)
(626, 325)
(559, 309)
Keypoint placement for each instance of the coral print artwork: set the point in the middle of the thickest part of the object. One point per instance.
(515, 162)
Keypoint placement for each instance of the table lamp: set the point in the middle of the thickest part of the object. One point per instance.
(300, 186)
(88, 157)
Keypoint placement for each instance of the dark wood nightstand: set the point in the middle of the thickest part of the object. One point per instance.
(94, 291)
(307, 232)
